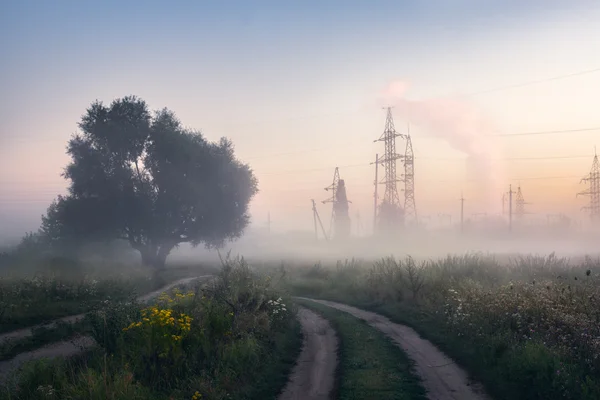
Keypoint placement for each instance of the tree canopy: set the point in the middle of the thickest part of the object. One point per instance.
(143, 177)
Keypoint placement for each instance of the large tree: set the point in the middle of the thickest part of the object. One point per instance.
(144, 178)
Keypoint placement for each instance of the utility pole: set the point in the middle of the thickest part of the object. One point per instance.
(334, 188)
(314, 209)
(462, 213)
(316, 218)
(376, 183)
(510, 214)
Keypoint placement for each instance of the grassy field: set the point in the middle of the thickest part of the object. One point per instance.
(527, 330)
(233, 338)
(42, 336)
(371, 366)
(52, 293)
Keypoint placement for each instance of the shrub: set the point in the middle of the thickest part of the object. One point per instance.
(217, 340)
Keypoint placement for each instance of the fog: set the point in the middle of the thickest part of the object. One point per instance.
(301, 247)
(494, 100)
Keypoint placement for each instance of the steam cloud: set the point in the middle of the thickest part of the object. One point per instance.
(463, 127)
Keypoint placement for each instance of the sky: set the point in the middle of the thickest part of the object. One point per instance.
(299, 87)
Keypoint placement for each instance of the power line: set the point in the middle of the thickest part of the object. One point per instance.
(425, 136)
(287, 153)
(299, 171)
(508, 158)
(356, 111)
(509, 135)
(533, 82)
(543, 158)
(547, 132)
(316, 188)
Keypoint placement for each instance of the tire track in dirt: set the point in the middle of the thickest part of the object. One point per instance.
(442, 378)
(313, 377)
(25, 332)
(71, 347)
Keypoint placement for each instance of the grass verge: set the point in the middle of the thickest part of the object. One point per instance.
(527, 330)
(54, 332)
(507, 370)
(277, 362)
(42, 336)
(371, 366)
(231, 338)
(26, 302)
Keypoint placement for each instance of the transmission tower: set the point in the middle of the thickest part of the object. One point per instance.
(410, 209)
(593, 180)
(333, 188)
(340, 219)
(520, 205)
(391, 214)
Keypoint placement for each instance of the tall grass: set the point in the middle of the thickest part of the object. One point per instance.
(528, 330)
(234, 338)
(72, 288)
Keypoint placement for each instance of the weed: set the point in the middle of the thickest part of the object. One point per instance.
(371, 366)
(222, 340)
(527, 330)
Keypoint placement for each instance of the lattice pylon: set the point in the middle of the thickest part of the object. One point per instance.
(593, 180)
(390, 211)
(520, 205)
(388, 160)
(339, 225)
(410, 208)
(333, 188)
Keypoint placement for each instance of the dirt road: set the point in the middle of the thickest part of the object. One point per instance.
(442, 378)
(313, 377)
(24, 332)
(74, 346)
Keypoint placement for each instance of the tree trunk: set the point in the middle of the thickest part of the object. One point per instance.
(148, 255)
(155, 256)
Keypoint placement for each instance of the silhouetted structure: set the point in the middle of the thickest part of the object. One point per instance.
(462, 213)
(316, 218)
(593, 180)
(510, 207)
(520, 206)
(390, 215)
(340, 222)
(410, 208)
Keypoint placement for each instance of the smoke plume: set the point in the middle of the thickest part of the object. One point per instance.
(463, 127)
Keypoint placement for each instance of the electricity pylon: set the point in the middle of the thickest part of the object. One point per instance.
(340, 224)
(593, 180)
(390, 212)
